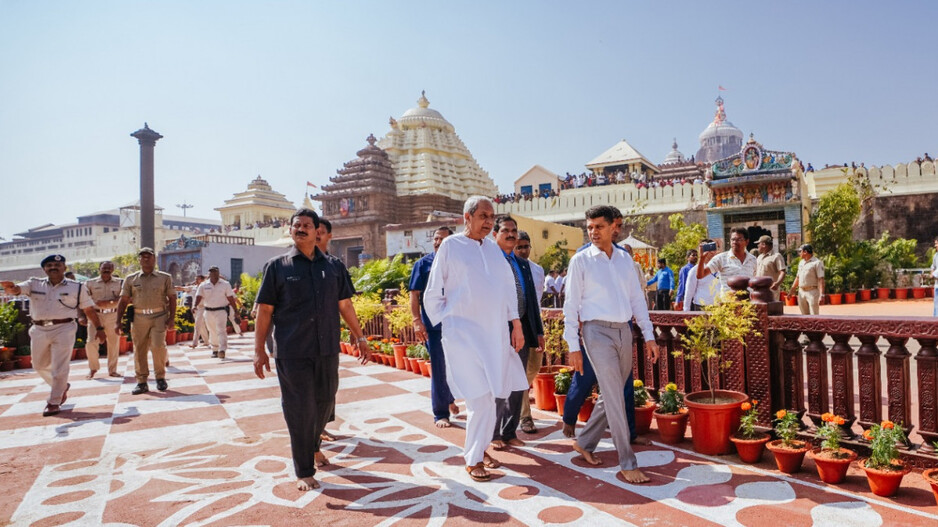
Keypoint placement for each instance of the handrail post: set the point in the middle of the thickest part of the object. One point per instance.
(927, 366)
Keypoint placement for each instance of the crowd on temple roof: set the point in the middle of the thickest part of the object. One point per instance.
(275, 223)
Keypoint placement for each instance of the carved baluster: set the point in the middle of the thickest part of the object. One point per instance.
(842, 381)
(734, 378)
(696, 374)
(898, 386)
(816, 358)
(757, 366)
(870, 377)
(682, 374)
(927, 365)
(665, 359)
(792, 373)
(648, 366)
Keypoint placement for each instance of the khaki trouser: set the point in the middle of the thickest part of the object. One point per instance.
(109, 321)
(217, 330)
(809, 301)
(51, 351)
(532, 369)
(149, 334)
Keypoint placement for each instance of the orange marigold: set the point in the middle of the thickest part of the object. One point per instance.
(868, 435)
(746, 407)
(755, 402)
(839, 420)
(827, 417)
(888, 425)
(781, 414)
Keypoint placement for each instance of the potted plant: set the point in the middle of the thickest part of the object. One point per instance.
(789, 452)
(562, 381)
(24, 356)
(399, 317)
(831, 459)
(671, 415)
(78, 350)
(931, 475)
(836, 290)
(412, 359)
(902, 285)
(749, 442)
(554, 348)
(10, 327)
(714, 414)
(644, 407)
(587, 409)
(850, 294)
(884, 470)
(423, 358)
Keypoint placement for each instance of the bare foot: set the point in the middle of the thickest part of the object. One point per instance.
(498, 444)
(91, 374)
(306, 484)
(443, 423)
(641, 440)
(454, 409)
(590, 458)
(489, 461)
(326, 436)
(569, 430)
(634, 476)
(515, 442)
(321, 459)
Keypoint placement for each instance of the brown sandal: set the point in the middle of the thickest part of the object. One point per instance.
(476, 477)
(490, 462)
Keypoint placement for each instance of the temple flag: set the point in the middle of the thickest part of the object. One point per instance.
(721, 88)
(308, 184)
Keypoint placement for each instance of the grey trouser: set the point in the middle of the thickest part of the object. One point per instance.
(608, 345)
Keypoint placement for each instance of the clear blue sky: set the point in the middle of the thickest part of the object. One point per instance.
(290, 89)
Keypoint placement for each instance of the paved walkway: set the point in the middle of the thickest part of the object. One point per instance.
(213, 450)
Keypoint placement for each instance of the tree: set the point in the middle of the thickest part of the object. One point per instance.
(686, 237)
(635, 218)
(831, 225)
(556, 257)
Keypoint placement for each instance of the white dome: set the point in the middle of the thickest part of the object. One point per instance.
(674, 156)
(424, 116)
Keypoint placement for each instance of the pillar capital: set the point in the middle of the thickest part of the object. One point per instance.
(146, 137)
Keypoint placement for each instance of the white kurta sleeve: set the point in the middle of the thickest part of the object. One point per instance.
(639, 305)
(434, 303)
(571, 303)
(690, 288)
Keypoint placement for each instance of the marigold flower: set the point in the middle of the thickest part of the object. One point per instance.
(827, 417)
(868, 435)
(385, 341)
(839, 420)
(565, 370)
(755, 402)
(671, 387)
(638, 383)
(888, 425)
(781, 414)
(746, 407)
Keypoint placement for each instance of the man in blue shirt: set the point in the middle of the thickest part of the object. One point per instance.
(665, 279)
(682, 283)
(441, 399)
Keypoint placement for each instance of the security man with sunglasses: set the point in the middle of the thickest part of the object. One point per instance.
(52, 306)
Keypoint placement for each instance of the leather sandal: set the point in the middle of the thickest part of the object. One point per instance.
(477, 477)
(490, 462)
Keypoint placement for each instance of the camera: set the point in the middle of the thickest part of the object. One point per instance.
(708, 247)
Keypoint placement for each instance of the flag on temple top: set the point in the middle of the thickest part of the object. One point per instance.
(308, 184)
(721, 88)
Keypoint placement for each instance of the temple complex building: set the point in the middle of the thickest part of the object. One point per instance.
(720, 139)
(622, 162)
(677, 169)
(259, 205)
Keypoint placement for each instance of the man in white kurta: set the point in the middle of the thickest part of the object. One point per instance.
(471, 291)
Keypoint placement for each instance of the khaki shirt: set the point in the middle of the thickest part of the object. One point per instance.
(54, 302)
(810, 273)
(148, 291)
(770, 265)
(98, 290)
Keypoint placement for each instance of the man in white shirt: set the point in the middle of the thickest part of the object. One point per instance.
(734, 262)
(603, 295)
(472, 292)
(217, 296)
(702, 292)
(550, 287)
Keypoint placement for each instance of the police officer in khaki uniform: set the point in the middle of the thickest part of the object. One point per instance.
(810, 281)
(105, 291)
(154, 300)
(53, 302)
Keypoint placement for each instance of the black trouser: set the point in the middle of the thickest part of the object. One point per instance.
(663, 300)
(307, 395)
(508, 411)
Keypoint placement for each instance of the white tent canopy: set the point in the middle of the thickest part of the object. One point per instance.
(635, 243)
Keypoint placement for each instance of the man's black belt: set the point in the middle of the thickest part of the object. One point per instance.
(216, 308)
(53, 321)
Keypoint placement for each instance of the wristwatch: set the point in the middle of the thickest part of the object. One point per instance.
(362, 339)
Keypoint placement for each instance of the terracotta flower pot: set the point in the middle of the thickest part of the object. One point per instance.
(560, 399)
(7, 353)
(400, 351)
(902, 294)
(25, 361)
(750, 450)
(671, 427)
(712, 424)
(866, 295)
(7, 365)
(429, 370)
(832, 469)
(850, 298)
(544, 391)
(931, 477)
(882, 293)
(643, 417)
(918, 292)
(586, 410)
(789, 460)
(414, 367)
(425, 368)
(170, 337)
(244, 325)
(884, 482)
(791, 301)
(835, 299)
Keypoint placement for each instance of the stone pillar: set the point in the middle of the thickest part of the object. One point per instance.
(147, 139)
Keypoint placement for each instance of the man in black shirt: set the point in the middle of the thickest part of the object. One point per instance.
(302, 295)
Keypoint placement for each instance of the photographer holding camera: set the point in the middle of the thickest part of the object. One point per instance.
(734, 262)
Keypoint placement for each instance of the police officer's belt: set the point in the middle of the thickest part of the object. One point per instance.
(809, 288)
(105, 311)
(216, 308)
(53, 321)
(149, 311)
